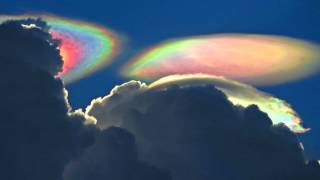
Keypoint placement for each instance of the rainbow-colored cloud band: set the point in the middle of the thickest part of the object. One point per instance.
(85, 47)
(253, 59)
(278, 110)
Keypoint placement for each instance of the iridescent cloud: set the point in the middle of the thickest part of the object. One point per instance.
(85, 47)
(253, 59)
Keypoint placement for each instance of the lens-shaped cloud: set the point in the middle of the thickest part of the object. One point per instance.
(278, 110)
(253, 59)
(85, 47)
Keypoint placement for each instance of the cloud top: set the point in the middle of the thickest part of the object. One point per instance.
(189, 127)
(241, 94)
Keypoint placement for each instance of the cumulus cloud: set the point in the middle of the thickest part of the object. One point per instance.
(104, 107)
(238, 93)
(113, 156)
(182, 129)
(191, 129)
(241, 94)
(29, 42)
(38, 132)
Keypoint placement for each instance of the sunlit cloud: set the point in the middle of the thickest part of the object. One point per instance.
(278, 110)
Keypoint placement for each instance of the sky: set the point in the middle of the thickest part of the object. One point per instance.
(142, 24)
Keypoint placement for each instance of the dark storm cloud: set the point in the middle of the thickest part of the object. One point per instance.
(113, 156)
(32, 46)
(38, 132)
(196, 133)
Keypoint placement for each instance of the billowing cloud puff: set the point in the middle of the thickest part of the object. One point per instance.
(39, 134)
(114, 155)
(191, 129)
(239, 94)
(30, 45)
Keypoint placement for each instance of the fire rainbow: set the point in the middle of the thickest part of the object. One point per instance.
(253, 59)
(85, 47)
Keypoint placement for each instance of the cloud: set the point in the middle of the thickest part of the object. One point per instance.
(105, 107)
(182, 129)
(39, 134)
(249, 58)
(85, 47)
(32, 46)
(278, 110)
(190, 128)
(114, 153)
(113, 156)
